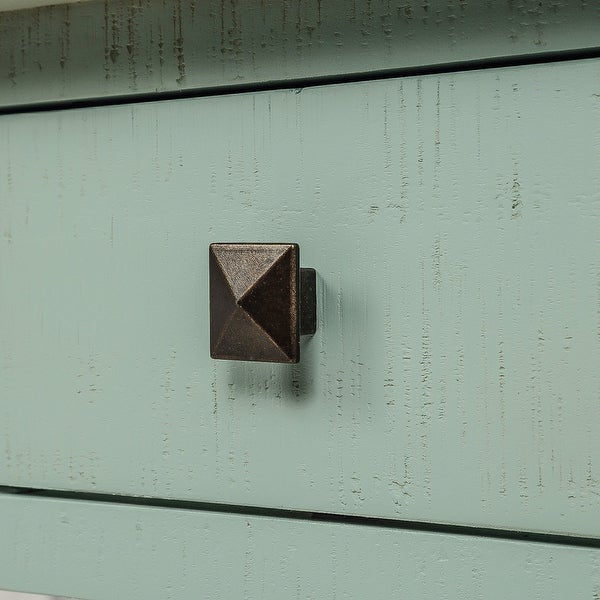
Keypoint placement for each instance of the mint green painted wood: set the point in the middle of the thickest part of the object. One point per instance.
(454, 223)
(103, 48)
(99, 551)
(4, 595)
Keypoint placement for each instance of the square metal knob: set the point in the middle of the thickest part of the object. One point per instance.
(260, 302)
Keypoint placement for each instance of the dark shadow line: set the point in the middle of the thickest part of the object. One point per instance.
(307, 82)
(321, 517)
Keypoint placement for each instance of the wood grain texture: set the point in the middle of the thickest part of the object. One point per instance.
(117, 47)
(453, 221)
(97, 552)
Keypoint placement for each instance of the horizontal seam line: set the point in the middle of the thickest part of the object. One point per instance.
(299, 83)
(308, 516)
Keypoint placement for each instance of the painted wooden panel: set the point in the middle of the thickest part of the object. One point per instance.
(4, 595)
(116, 47)
(6, 5)
(96, 551)
(453, 221)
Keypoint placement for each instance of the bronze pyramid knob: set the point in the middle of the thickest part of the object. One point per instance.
(260, 302)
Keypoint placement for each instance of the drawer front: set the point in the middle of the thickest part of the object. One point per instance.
(103, 551)
(453, 221)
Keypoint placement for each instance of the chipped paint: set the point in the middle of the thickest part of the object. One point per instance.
(178, 41)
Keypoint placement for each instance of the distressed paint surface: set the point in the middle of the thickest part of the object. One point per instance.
(453, 221)
(115, 551)
(117, 47)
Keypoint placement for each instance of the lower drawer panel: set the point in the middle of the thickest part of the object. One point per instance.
(106, 551)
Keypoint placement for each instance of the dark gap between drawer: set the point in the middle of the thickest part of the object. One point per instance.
(320, 517)
(298, 84)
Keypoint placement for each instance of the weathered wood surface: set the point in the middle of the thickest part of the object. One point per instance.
(116, 47)
(100, 551)
(454, 222)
